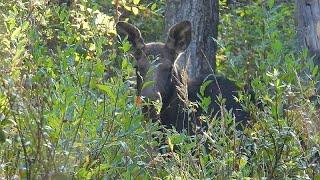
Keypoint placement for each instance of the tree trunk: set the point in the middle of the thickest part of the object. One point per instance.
(204, 16)
(308, 16)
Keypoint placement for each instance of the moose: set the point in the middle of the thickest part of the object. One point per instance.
(156, 62)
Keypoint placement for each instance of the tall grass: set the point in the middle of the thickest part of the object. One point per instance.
(67, 101)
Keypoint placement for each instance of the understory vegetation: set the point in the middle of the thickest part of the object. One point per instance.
(67, 96)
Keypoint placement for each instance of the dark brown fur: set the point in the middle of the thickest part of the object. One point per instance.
(156, 62)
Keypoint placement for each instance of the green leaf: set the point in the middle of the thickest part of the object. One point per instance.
(315, 71)
(177, 139)
(277, 46)
(126, 46)
(25, 25)
(147, 84)
(204, 86)
(136, 2)
(317, 176)
(2, 136)
(154, 6)
(100, 67)
(206, 101)
(271, 3)
(124, 63)
(108, 90)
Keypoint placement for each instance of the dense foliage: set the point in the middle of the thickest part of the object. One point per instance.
(67, 96)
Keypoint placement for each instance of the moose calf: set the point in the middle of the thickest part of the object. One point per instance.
(156, 63)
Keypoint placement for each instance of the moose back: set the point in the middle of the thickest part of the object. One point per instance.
(156, 66)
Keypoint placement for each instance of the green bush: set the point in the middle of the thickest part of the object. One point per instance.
(67, 97)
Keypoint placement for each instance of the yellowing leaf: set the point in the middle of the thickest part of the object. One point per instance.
(76, 57)
(136, 2)
(170, 144)
(243, 162)
(127, 7)
(242, 13)
(138, 101)
(15, 33)
(135, 10)
(92, 47)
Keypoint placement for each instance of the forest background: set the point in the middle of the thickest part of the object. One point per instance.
(67, 92)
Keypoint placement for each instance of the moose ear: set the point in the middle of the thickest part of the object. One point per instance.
(133, 33)
(179, 36)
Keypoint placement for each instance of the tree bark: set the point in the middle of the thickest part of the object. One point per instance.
(204, 16)
(308, 16)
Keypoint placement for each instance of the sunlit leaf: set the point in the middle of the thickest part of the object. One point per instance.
(135, 10)
(170, 144)
(15, 33)
(243, 161)
(92, 47)
(136, 2)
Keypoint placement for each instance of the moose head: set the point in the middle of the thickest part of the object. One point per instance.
(155, 62)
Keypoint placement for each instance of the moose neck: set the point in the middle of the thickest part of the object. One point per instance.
(173, 112)
(173, 86)
(170, 91)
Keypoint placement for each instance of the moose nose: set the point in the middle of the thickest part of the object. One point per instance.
(149, 94)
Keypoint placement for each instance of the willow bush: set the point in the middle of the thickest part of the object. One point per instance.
(67, 96)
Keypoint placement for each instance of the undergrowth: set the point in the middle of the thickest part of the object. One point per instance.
(67, 98)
